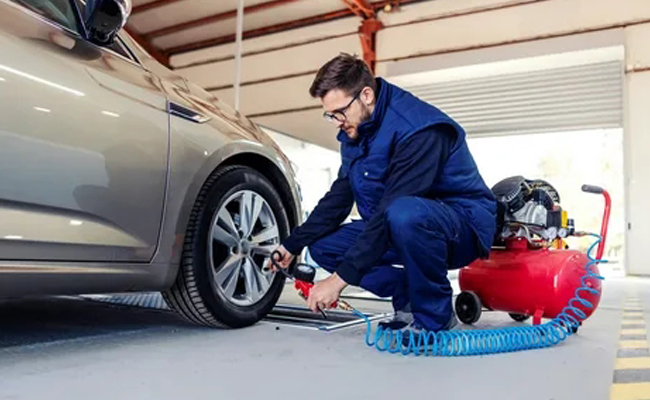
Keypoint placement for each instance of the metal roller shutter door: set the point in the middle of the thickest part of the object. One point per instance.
(570, 98)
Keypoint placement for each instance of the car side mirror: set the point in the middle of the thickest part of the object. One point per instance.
(105, 18)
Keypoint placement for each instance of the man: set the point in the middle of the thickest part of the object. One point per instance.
(423, 203)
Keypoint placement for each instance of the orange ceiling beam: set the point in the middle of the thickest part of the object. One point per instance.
(299, 23)
(152, 5)
(370, 25)
(368, 36)
(316, 19)
(215, 18)
(360, 8)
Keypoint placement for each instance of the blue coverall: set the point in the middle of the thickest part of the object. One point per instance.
(423, 203)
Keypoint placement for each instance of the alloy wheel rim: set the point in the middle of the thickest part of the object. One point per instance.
(243, 234)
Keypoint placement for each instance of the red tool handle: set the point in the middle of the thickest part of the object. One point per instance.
(305, 287)
(606, 212)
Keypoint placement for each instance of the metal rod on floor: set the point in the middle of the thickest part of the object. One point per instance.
(349, 319)
(291, 307)
(349, 324)
(238, 51)
(361, 296)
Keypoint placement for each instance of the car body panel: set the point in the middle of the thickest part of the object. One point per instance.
(198, 149)
(85, 144)
(129, 182)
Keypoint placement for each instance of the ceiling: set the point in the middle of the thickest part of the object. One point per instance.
(170, 27)
(196, 39)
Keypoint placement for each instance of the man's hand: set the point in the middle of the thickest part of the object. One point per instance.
(325, 292)
(284, 261)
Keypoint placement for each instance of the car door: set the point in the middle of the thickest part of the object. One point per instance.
(83, 142)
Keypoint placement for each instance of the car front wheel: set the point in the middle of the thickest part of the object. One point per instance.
(237, 221)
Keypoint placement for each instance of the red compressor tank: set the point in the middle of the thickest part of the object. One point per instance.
(529, 281)
(526, 279)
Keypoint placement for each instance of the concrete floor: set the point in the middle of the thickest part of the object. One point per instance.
(74, 349)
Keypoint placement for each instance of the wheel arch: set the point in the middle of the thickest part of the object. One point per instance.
(271, 172)
(262, 159)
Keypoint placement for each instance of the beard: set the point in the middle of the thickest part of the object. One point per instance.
(365, 116)
(365, 113)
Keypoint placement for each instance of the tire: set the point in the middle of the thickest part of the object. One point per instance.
(197, 294)
(519, 317)
(468, 307)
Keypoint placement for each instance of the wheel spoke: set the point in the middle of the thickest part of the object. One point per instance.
(245, 212)
(250, 280)
(263, 280)
(228, 274)
(266, 235)
(227, 222)
(265, 250)
(258, 202)
(222, 236)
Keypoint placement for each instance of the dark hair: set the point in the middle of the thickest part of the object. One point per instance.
(344, 72)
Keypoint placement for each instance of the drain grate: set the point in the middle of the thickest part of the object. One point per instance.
(285, 315)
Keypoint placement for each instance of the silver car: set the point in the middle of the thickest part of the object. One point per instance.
(119, 175)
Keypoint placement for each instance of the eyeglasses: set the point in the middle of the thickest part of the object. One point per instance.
(339, 115)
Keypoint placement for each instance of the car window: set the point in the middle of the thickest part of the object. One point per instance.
(60, 11)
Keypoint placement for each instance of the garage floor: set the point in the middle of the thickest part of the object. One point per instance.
(70, 348)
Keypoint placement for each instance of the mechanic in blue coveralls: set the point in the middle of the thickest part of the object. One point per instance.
(425, 208)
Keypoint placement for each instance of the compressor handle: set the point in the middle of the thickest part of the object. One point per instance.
(592, 189)
(606, 213)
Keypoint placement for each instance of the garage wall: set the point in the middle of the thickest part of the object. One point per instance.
(637, 147)
(577, 97)
(277, 69)
(482, 23)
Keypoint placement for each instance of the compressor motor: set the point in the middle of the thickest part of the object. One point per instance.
(528, 208)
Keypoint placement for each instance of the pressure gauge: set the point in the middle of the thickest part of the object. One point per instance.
(304, 272)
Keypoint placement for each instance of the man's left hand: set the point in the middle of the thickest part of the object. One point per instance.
(325, 292)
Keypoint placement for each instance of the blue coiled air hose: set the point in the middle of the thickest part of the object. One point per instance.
(490, 341)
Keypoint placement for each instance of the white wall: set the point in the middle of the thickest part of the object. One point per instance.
(530, 21)
(346, 26)
(277, 71)
(637, 135)
(316, 167)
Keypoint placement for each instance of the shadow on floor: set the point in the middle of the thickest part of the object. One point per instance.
(40, 320)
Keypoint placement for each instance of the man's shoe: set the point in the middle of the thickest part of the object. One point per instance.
(416, 329)
(411, 334)
(453, 321)
(401, 319)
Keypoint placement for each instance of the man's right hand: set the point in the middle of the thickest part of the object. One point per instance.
(284, 261)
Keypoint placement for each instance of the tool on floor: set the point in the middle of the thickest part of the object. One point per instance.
(303, 281)
(534, 273)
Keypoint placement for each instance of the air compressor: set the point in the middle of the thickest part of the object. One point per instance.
(531, 271)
